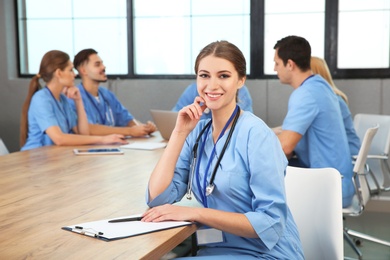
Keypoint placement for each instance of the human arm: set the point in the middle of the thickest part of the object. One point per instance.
(60, 138)
(231, 222)
(82, 120)
(289, 140)
(162, 174)
(135, 130)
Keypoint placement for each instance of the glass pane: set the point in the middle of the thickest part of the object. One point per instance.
(71, 26)
(99, 8)
(170, 36)
(363, 36)
(220, 7)
(217, 30)
(48, 9)
(159, 50)
(40, 43)
(108, 37)
(143, 8)
(285, 17)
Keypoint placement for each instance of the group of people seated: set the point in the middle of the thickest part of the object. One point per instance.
(219, 151)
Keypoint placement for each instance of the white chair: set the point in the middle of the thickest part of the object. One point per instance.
(315, 200)
(362, 192)
(3, 148)
(378, 155)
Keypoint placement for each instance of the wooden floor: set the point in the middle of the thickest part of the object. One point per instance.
(376, 224)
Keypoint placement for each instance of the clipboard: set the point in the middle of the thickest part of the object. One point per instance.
(103, 230)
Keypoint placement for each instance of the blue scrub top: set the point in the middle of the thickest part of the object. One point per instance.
(189, 94)
(353, 139)
(314, 112)
(44, 112)
(249, 180)
(108, 111)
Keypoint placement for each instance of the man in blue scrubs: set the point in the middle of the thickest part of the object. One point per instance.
(313, 128)
(244, 99)
(105, 113)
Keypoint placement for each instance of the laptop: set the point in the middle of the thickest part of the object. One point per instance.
(165, 121)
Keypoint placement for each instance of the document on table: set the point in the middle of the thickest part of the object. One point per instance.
(144, 145)
(106, 231)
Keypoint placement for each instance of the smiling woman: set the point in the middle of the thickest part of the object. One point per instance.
(217, 161)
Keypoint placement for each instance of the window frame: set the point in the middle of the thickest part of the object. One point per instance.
(256, 47)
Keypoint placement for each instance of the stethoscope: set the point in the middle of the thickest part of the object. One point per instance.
(108, 117)
(194, 169)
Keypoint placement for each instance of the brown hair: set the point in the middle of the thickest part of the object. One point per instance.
(82, 57)
(224, 50)
(50, 62)
(319, 66)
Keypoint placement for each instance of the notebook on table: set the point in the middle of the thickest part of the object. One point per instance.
(165, 121)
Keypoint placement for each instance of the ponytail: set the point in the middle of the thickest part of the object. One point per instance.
(33, 87)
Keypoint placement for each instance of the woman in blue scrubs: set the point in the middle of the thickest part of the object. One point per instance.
(50, 117)
(319, 66)
(233, 164)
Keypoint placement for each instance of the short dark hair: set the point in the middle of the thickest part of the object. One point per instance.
(82, 57)
(294, 48)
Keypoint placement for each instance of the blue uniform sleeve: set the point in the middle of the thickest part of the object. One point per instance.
(245, 99)
(302, 111)
(267, 164)
(178, 187)
(353, 139)
(187, 97)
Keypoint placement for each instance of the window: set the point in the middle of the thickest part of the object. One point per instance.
(137, 41)
(71, 26)
(363, 37)
(169, 36)
(304, 18)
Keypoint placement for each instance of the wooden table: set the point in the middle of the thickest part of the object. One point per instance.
(44, 189)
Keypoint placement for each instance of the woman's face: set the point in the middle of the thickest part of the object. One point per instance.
(67, 75)
(218, 82)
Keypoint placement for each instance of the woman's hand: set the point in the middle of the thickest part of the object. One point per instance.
(73, 93)
(190, 115)
(114, 139)
(169, 212)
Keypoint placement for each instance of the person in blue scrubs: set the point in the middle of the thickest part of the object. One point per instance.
(319, 66)
(244, 99)
(51, 121)
(238, 173)
(313, 128)
(105, 113)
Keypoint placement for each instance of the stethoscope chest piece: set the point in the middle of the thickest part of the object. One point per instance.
(209, 189)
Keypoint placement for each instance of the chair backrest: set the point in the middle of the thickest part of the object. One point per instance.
(380, 144)
(362, 188)
(3, 148)
(315, 200)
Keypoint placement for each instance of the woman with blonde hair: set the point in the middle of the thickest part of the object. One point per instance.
(319, 66)
(50, 119)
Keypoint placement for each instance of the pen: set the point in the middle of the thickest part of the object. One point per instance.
(125, 219)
